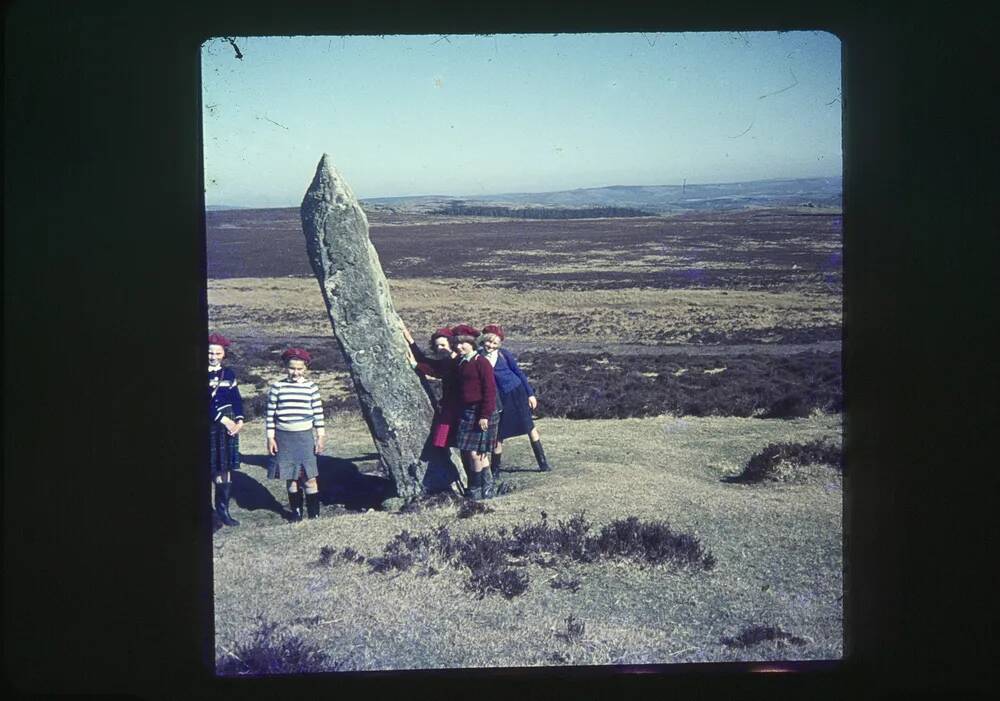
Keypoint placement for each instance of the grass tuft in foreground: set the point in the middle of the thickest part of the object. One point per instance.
(777, 462)
(753, 635)
(575, 628)
(272, 649)
(432, 501)
(470, 508)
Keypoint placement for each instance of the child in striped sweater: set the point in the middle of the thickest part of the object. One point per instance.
(294, 413)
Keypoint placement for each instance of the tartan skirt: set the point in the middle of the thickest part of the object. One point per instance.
(516, 417)
(295, 453)
(469, 437)
(223, 450)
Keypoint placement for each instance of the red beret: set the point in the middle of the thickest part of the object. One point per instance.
(494, 329)
(443, 331)
(464, 330)
(217, 339)
(296, 354)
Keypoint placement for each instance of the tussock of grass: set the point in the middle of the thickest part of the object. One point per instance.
(779, 462)
(753, 635)
(564, 582)
(652, 542)
(492, 556)
(469, 508)
(575, 628)
(352, 555)
(431, 501)
(326, 554)
(272, 649)
(507, 582)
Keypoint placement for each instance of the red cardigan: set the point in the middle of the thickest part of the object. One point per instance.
(475, 379)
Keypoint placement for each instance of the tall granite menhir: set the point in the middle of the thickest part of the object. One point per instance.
(394, 403)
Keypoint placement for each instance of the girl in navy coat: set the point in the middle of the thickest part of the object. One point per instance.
(226, 414)
(516, 396)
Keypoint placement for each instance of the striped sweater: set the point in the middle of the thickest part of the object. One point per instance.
(293, 406)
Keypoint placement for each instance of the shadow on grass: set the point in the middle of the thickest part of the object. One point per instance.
(251, 495)
(341, 482)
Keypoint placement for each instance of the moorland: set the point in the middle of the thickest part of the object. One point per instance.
(668, 352)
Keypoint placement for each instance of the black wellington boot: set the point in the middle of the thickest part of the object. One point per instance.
(495, 465)
(222, 503)
(312, 505)
(475, 489)
(488, 490)
(295, 501)
(543, 464)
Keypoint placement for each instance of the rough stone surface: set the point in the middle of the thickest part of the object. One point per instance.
(394, 403)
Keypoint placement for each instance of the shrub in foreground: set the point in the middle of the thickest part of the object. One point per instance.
(777, 461)
(272, 649)
(493, 558)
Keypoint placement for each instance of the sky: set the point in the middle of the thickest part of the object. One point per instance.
(472, 115)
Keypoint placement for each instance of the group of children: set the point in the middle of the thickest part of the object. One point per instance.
(486, 399)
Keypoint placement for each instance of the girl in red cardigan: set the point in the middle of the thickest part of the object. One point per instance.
(476, 436)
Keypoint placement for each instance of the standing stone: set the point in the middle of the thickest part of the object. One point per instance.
(369, 332)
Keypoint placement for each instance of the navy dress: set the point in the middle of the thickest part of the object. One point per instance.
(224, 401)
(514, 389)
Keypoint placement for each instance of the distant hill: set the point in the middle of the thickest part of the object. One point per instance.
(222, 207)
(818, 192)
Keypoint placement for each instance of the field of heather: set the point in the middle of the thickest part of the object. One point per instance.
(688, 372)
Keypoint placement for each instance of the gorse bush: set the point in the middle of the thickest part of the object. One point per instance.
(272, 649)
(493, 559)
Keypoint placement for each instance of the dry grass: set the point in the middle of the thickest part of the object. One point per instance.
(778, 551)
(282, 307)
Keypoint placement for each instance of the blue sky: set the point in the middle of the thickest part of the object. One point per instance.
(470, 115)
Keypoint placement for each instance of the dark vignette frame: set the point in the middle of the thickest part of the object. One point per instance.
(105, 554)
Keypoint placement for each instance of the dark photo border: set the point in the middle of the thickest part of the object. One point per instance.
(107, 584)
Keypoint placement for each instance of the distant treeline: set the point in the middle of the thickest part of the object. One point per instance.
(460, 208)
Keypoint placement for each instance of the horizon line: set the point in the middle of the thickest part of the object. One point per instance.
(533, 192)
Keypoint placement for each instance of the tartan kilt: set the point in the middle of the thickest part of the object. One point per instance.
(223, 450)
(469, 437)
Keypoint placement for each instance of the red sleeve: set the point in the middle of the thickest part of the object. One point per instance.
(489, 403)
(425, 369)
(427, 365)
